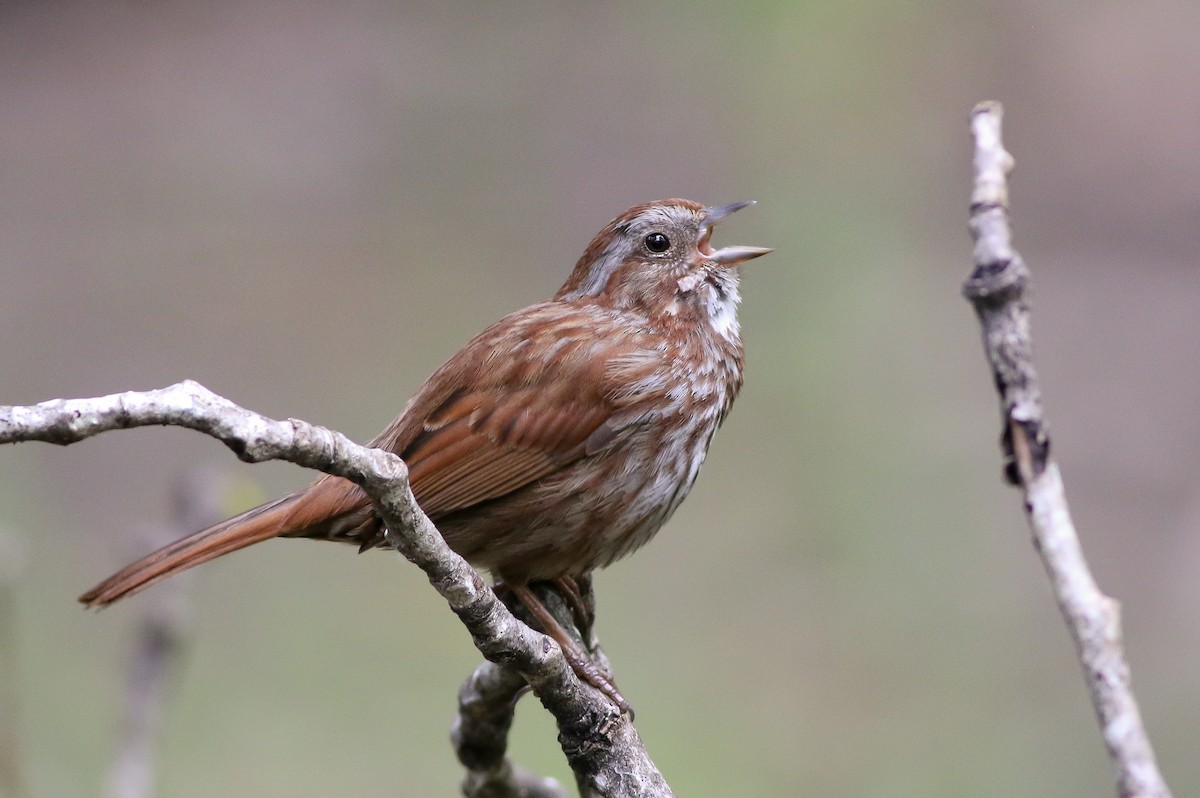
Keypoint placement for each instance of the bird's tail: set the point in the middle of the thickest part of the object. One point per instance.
(324, 510)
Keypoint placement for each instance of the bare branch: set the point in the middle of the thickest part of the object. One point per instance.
(998, 290)
(487, 701)
(160, 638)
(156, 651)
(13, 562)
(488, 698)
(600, 743)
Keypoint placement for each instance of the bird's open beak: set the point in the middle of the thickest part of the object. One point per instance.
(726, 256)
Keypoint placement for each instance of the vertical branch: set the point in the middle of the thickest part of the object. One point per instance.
(160, 638)
(487, 701)
(488, 698)
(155, 657)
(998, 289)
(12, 563)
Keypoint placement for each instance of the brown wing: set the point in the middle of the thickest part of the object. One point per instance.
(527, 396)
(520, 401)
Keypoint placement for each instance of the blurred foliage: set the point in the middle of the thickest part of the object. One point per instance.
(307, 207)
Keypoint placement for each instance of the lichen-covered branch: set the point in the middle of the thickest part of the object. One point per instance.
(600, 743)
(998, 289)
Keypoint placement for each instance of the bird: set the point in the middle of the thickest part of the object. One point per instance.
(556, 441)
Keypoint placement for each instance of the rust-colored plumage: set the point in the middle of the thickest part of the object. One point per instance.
(558, 439)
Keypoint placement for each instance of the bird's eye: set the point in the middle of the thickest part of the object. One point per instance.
(657, 242)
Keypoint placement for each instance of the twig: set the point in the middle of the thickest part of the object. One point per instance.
(601, 745)
(12, 565)
(488, 699)
(486, 704)
(158, 646)
(998, 290)
(156, 652)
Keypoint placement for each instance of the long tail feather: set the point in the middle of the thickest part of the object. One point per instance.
(331, 508)
(252, 526)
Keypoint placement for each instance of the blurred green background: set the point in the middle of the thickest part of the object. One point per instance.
(309, 206)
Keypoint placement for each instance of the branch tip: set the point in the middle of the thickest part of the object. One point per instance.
(997, 288)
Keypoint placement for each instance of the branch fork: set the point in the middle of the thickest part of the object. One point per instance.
(600, 743)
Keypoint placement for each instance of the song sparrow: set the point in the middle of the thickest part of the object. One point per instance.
(560, 438)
